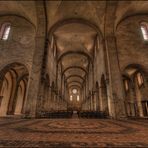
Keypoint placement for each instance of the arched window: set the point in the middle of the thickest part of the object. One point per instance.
(4, 31)
(126, 85)
(78, 98)
(144, 30)
(140, 79)
(71, 98)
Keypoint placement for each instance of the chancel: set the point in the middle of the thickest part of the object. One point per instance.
(73, 73)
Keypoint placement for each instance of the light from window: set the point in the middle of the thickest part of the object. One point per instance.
(5, 30)
(126, 84)
(71, 98)
(6, 33)
(74, 91)
(144, 30)
(140, 79)
(78, 98)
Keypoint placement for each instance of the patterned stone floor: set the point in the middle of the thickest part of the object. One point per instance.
(73, 133)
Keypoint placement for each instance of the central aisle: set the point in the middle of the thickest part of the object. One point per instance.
(75, 115)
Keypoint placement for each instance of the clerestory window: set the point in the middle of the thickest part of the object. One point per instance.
(144, 30)
(5, 31)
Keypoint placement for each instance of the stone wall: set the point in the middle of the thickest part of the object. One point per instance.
(132, 49)
(130, 44)
(21, 42)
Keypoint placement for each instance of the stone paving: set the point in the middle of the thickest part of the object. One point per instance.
(73, 133)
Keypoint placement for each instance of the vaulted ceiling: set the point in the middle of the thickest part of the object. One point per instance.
(75, 36)
(75, 43)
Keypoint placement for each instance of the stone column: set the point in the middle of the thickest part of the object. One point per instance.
(85, 89)
(116, 96)
(94, 101)
(133, 101)
(12, 101)
(138, 99)
(1, 98)
(101, 99)
(97, 99)
(34, 88)
(1, 83)
(49, 98)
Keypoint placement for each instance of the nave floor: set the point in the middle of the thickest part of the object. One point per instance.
(74, 132)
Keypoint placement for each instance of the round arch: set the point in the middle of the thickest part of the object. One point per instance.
(74, 82)
(138, 67)
(21, 17)
(74, 86)
(11, 66)
(15, 79)
(73, 20)
(128, 16)
(89, 57)
(75, 76)
(78, 67)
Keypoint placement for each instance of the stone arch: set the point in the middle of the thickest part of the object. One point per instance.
(75, 76)
(74, 86)
(89, 57)
(19, 16)
(128, 16)
(6, 92)
(73, 20)
(14, 74)
(135, 98)
(136, 68)
(79, 67)
(74, 82)
(7, 67)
